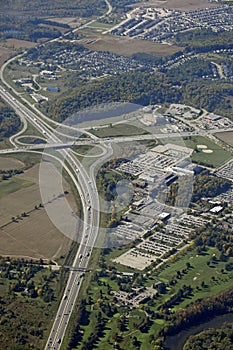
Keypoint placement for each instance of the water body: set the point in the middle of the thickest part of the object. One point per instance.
(176, 342)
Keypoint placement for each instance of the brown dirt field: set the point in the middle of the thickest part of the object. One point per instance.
(34, 236)
(8, 47)
(4, 54)
(177, 4)
(10, 163)
(17, 44)
(128, 46)
(226, 136)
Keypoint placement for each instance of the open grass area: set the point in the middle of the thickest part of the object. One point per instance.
(100, 25)
(125, 46)
(217, 157)
(27, 158)
(178, 4)
(203, 269)
(5, 53)
(118, 130)
(206, 275)
(226, 137)
(12, 185)
(7, 163)
(32, 236)
(32, 131)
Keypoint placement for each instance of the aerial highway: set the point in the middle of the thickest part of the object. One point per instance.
(89, 197)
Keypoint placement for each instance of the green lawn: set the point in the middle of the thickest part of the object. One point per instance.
(97, 24)
(215, 159)
(218, 156)
(215, 280)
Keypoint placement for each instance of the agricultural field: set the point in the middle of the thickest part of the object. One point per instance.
(123, 129)
(4, 54)
(125, 46)
(21, 194)
(19, 44)
(9, 46)
(11, 163)
(226, 137)
(177, 4)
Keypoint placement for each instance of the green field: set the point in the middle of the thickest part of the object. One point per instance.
(118, 130)
(215, 279)
(226, 137)
(215, 159)
(218, 156)
(12, 185)
(98, 24)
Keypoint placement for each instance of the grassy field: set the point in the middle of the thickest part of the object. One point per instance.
(211, 274)
(12, 185)
(226, 137)
(5, 53)
(32, 131)
(33, 236)
(18, 44)
(202, 269)
(218, 156)
(10, 163)
(118, 130)
(215, 277)
(178, 4)
(29, 139)
(100, 25)
(126, 46)
(27, 158)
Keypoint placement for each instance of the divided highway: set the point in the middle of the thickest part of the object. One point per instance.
(86, 187)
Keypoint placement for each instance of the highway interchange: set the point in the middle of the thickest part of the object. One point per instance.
(89, 198)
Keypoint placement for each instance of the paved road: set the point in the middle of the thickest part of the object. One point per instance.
(89, 198)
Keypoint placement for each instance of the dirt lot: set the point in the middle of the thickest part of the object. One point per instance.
(177, 4)
(127, 46)
(33, 236)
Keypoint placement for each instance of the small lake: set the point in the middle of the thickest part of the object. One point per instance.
(176, 342)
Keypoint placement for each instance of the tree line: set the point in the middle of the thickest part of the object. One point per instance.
(9, 122)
